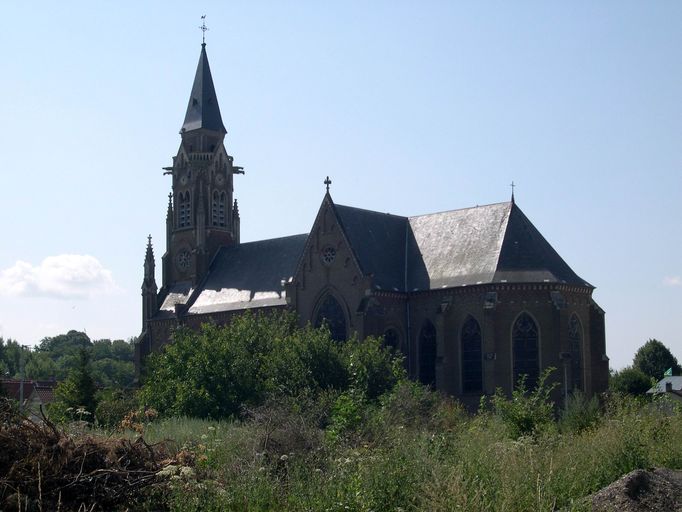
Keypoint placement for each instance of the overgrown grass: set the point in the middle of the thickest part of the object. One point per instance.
(415, 450)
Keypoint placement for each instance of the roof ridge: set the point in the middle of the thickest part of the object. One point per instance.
(461, 209)
(371, 211)
(264, 240)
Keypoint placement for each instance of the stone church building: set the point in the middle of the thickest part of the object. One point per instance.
(473, 297)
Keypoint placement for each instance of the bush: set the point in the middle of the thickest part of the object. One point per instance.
(579, 412)
(527, 412)
(373, 370)
(216, 372)
(113, 405)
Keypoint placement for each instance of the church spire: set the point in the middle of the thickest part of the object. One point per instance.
(203, 110)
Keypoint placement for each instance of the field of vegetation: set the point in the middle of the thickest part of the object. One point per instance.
(263, 415)
(414, 450)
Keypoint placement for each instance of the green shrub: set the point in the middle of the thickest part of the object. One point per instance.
(527, 412)
(113, 405)
(218, 371)
(346, 414)
(373, 370)
(579, 412)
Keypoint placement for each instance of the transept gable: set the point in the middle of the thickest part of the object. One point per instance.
(326, 240)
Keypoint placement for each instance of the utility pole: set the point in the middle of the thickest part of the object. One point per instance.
(21, 377)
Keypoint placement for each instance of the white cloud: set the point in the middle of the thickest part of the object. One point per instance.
(672, 281)
(66, 276)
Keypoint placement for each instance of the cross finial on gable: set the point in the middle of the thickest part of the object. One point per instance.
(512, 187)
(327, 182)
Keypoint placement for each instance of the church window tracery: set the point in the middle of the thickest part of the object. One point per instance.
(328, 255)
(525, 348)
(427, 354)
(575, 338)
(184, 210)
(218, 209)
(472, 366)
(392, 339)
(330, 313)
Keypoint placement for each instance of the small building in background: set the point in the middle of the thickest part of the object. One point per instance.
(671, 385)
(36, 393)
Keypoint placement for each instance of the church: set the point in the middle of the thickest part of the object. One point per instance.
(473, 297)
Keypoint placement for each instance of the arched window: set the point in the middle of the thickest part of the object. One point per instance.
(218, 209)
(184, 210)
(330, 313)
(472, 362)
(214, 208)
(427, 354)
(525, 348)
(221, 210)
(392, 339)
(575, 338)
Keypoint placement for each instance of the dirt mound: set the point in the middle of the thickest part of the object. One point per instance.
(655, 490)
(43, 468)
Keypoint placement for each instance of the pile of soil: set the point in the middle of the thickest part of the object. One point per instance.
(654, 490)
(43, 468)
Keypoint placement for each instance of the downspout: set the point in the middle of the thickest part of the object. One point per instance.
(407, 302)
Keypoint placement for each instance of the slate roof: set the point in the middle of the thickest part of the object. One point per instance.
(458, 247)
(378, 242)
(675, 381)
(178, 293)
(249, 275)
(203, 110)
(479, 245)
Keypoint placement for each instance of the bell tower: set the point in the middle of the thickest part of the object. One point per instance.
(202, 213)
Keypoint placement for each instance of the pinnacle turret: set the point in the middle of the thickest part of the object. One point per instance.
(149, 264)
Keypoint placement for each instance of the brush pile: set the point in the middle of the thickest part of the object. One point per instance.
(42, 468)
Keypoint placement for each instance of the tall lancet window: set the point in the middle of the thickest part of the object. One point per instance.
(575, 337)
(218, 209)
(184, 210)
(525, 347)
(428, 352)
(330, 313)
(472, 362)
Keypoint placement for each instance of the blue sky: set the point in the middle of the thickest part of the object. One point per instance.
(410, 107)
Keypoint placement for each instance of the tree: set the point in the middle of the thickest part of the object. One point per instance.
(654, 358)
(630, 380)
(65, 344)
(101, 349)
(77, 392)
(12, 353)
(218, 371)
(40, 367)
(113, 373)
(123, 350)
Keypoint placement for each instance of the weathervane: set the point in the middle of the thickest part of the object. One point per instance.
(203, 28)
(327, 182)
